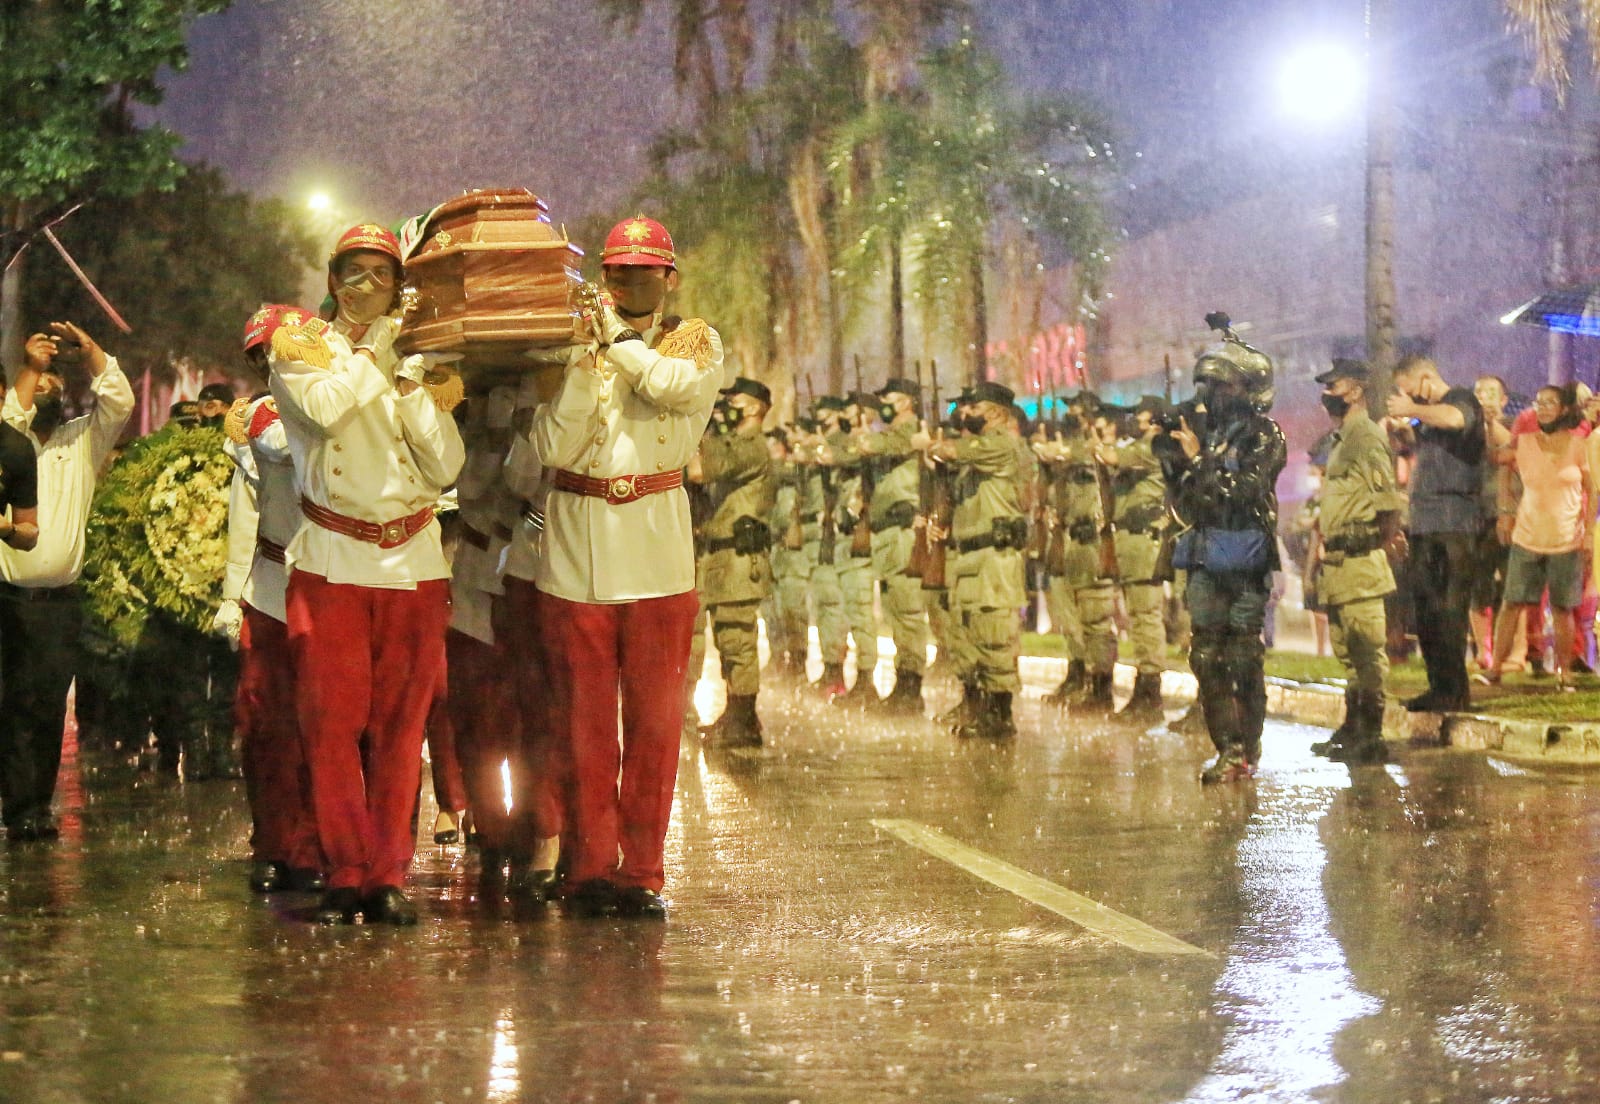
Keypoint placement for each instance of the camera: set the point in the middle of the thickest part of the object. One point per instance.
(1171, 420)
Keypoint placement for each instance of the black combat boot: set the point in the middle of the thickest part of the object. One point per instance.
(997, 722)
(1341, 736)
(1145, 704)
(1365, 745)
(963, 711)
(906, 697)
(863, 695)
(1074, 682)
(737, 727)
(831, 684)
(983, 702)
(1097, 697)
(1231, 765)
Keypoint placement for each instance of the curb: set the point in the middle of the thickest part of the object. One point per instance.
(1552, 743)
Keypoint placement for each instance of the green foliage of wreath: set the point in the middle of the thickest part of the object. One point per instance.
(158, 534)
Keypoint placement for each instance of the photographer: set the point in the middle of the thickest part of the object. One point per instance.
(1223, 473)
(40, 619)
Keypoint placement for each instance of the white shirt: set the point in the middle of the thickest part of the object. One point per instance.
(631, 411)
(69, 464)
(264, 503)
(363, 450)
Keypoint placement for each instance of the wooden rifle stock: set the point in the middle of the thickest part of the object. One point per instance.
(861, 535)
(937, 503)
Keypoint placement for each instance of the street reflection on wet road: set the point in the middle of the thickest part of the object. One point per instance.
(1419, 932)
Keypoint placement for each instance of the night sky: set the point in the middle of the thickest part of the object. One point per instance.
(392, 107)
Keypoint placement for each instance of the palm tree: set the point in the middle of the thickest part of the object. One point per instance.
(952, 162)
(1550, 31)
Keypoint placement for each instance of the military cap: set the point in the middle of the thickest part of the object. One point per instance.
(216, 392)
(990, 391)
(902, 386)
(866, 400)
(754, 388)
(1346, 368)
(828, 402)
(1154, 405)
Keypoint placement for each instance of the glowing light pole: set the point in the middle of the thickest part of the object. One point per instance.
(1324, 83)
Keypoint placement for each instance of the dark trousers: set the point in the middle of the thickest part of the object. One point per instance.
(1227, 610)
(1440, 577)
(39, 652)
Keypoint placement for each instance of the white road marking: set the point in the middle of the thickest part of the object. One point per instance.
(1098, 918)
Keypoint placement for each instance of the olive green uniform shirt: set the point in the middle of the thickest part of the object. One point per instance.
(1359, 485)
(737, 466)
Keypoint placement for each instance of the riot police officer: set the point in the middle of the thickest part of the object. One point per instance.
(1223, 472)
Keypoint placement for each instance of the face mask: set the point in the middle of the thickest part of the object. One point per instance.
(887, 413)
(974, 423)
(362, 297)
(844, 425)
(1336, 405)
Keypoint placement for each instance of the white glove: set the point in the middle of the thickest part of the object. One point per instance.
(413, 368)
(609, 325)
(228, 622)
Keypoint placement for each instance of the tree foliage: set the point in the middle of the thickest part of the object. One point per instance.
(185, 267)
(71, 74)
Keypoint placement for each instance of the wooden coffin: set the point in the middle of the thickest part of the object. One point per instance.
(492, 281)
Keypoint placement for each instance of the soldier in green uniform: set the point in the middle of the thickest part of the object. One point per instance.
(818, 500)
(1084, 587)
(853, 557)
(987, 535)
(1140, 520)
(787, 623)
(892, 512)
(1358, 530)
(734, 573)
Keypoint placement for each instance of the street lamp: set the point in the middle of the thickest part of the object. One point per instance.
(1321, 83)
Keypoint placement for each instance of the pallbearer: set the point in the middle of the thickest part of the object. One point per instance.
(263, 515)
(735, 574)
(615, 573)
(368, 595)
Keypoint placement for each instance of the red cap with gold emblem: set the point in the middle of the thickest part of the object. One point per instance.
(259, 330)
(369, 235)
(639, 241)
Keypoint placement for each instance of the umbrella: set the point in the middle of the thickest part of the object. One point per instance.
(1573, 310)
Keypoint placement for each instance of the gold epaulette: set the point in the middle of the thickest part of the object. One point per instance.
(236, 424)
(691, 340)
(447, 391)
(303, 343)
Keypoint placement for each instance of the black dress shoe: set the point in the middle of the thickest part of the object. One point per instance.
(268, 877)
(645, 904)
(596, 897)
(305, 879)
(339, 906)
(389, 906)
(33, 828)
(528, 884)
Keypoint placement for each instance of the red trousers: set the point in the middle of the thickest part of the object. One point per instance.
(449, 788)
(366, 663)
(485, 716)
(275, 775)
(539, 768)
(597, 657)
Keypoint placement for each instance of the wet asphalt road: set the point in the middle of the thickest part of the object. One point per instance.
(1421, 932)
